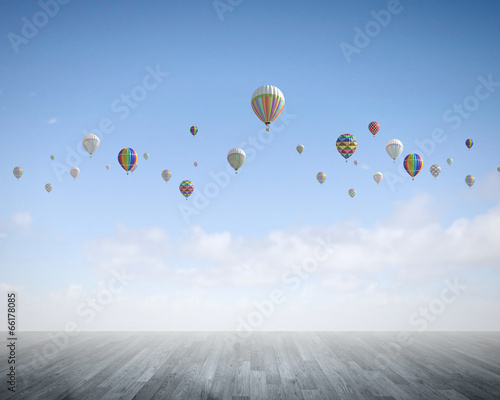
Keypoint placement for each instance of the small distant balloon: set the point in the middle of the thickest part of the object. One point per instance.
(469, 143)
(374, 127)
(108, 166)
(469, 180)
(146, 156)
(377, 177)
(48, 187)
(52, 157)
(91, 143)
(193, 130)
(498, 169)
(195, 164)
(321, 177)
(352, 192)
(355, 162)
(17, 171)
(166, 174)
(186, 188)
(236, 158)
(394, 147)
(435, 170)
(449, 161)
(300, 148)
(74, 172)
(413, 164)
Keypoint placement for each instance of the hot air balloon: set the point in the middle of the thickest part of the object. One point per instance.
(108, 166)
(378, 176)
(352, 192)
(17, 171)
(166, 174)
(74, 172)
(413, 164)
(267, 103)
(133, 168)
(435, 170)
(394, 147)
(321, 177)
(300, 148)
(127, 158)
(498, 169)
(449, 161)
(146, 156)
(91, 143)
(48, 187)
(469, 143)
(52, 157)
(374, 127)
(195, 164)
(355, 162)
(186, 188)
(346, 145)
(469, 180)
(236, 158)
(193, 130)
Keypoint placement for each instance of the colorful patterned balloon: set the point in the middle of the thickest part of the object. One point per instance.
(17, 171)
(355, 162)
(300, 148)
(267, 103)
(352, 192)
(166, 174)
(186, 188)
(74, 172)
(195, 164)
(394, 147)
(193, 130)
(435, 170)
(498, 169)
(321, 177)
(127, 158)
(52, 157)
(236, 158)
(374, 127)
(91, 143)
(413, 164)
(346, 145)
(48, 187)
(377, 177)
(108, 166)
(469, 180)
(469, 143)
(449, 161)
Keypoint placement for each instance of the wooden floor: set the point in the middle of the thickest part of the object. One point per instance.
(266, 365)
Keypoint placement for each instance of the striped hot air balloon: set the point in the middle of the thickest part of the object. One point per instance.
(166, 174)
(346, 145)
(127, 158)
(74, 172)
(236, 158)
(267, 103)
(186, 188)
(413, 164)
(469, 180)
(394, 147)
(469, 143)
(17, 171)
(321, 177)
(377, 177)
(193, 130)
(91, 143)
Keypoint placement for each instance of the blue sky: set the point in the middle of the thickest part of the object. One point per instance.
(203, 263)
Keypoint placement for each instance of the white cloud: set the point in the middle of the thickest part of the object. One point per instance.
(22, 219)
(52, 121)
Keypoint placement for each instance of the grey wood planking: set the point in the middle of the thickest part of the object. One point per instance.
(261, 365)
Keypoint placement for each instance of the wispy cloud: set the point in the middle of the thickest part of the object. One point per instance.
(52, 121)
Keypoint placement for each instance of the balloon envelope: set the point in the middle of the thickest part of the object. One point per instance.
(346, 145)
(186, 188)
(48, 187)
(108, 166)
(52, 157)
(435, 170)
(378, 176)
(469, 180)
(300, 148)
(91, 143)
(498, 169)
(236, 158)
(146, 156)
(17, 171)
(127, 158)
(413, 164)
(374, 127)
(352, 192)
(449, 161)
(74, 172)
(193, 130)
(394, 147)
(166, 174)
(195, 164)
(469, 143)
(267, 103)
(321, 177)
(355, 162)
